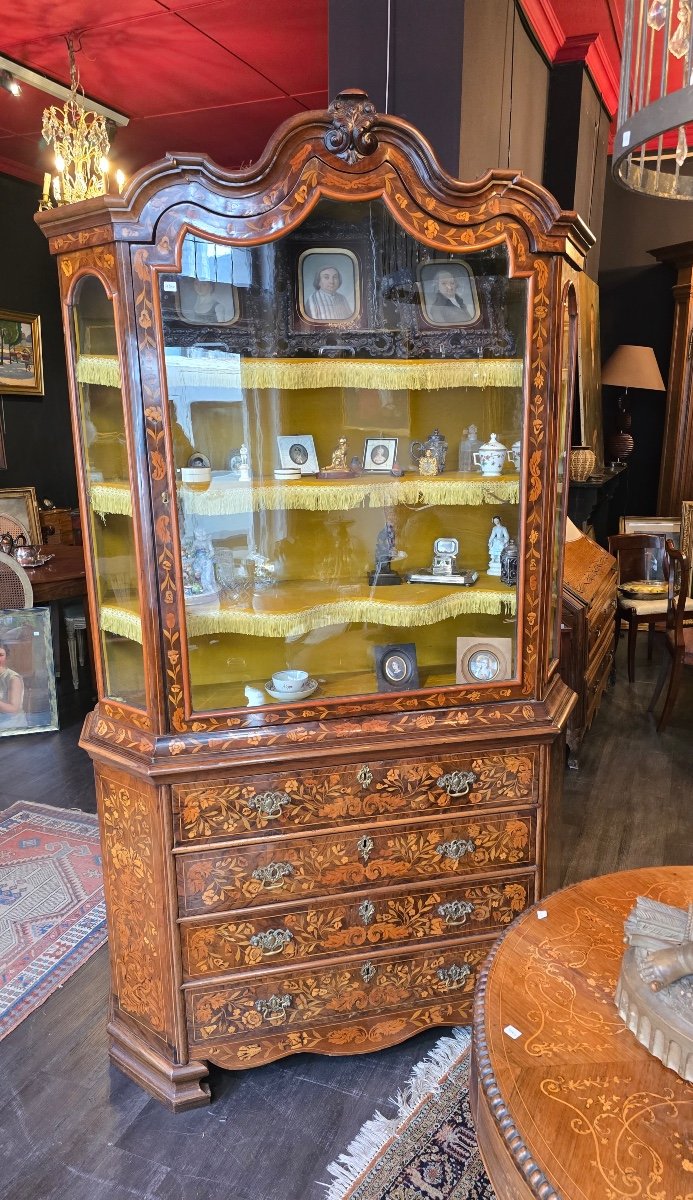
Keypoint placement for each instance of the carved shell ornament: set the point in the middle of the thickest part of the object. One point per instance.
(351, 134)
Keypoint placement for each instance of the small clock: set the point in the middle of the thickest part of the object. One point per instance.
(396, 669)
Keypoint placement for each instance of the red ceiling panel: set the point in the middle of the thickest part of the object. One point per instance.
(35, 21)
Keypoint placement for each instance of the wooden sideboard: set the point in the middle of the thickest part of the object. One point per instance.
(589, 607)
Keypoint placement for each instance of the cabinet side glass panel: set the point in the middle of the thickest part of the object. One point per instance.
(568, 361)
(108, 491)
(347, 409)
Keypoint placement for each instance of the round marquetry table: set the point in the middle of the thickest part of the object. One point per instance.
(567, 1103)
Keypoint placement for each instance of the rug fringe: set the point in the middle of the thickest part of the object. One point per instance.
(372, 1138)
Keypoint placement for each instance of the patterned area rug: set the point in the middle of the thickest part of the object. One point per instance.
(427, 1150)
(52, 913)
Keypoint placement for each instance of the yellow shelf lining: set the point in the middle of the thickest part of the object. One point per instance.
(113, 498)
(422, 374)
(122, 622)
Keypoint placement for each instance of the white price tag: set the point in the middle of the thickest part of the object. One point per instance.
(626, 137)
(170, 285)
(541, 914)
(512, 1032)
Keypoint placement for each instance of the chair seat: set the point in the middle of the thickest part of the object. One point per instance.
(648, 608)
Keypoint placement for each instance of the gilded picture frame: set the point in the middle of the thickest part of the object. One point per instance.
(19, 505)
(21, 360)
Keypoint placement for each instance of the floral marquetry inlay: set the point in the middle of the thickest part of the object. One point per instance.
(133, 932)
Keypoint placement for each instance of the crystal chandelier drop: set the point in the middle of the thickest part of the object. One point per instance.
(80, 142)
(653, 146)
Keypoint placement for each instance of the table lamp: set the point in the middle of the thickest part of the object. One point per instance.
(629, 367)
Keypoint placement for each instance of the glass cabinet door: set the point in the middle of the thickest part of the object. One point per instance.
(108, 491)
(347, 409)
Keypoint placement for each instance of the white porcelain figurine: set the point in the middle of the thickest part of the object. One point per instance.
(498, 538)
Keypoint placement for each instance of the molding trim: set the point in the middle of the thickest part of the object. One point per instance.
(547, 28)
(589, 48)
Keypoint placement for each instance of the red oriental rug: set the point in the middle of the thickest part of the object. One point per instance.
(52, 912)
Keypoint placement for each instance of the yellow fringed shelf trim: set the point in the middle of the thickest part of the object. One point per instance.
(101, 369)
(122, 622)
(421, 374)
(398, 613)
(316, 495)
(111, 498)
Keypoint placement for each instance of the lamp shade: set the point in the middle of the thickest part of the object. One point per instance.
(633, 367)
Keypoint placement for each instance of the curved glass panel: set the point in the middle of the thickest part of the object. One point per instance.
(108, 490)
(347, 408)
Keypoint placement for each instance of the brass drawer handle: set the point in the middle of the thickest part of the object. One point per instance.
(455, 849)
(454, 976)
(270, 804)
(367, 911)
(367, 972)
(457, 783)
(455, 912)
(271, 942)
(365, 848)
(273, 875)
(364, 776)
(274, 1006)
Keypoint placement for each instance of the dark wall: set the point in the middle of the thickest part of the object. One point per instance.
(38, 439)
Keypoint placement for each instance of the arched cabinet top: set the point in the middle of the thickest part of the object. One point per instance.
(362, 155)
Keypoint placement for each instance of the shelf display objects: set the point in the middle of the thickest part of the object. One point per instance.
(469, 446)
(436, 446)
(490, 458)
(508, 562)
(497, 541)
(444, 568)
(230, 813)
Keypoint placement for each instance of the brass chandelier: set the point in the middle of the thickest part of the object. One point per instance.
(651, 146)
(80, 141)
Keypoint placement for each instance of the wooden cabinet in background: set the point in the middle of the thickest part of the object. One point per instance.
(589, 613)
(325, 871)
(57, 526)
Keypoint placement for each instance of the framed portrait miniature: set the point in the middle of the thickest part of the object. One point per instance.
(329, 286)
(205, 302)
(298, 451)
(396, 668)
(448, 293)
(21, 364)
(487, 660)
(19, 514)
(27, 672)
(380, 454)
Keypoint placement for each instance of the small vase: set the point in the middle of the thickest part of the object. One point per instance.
(582, 460)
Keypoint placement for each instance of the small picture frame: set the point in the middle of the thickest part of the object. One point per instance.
(329, 286)
(205, 302)
(396, 669)
(448, 293)
(26, 652)
(21, 363)
(298, 451)
(487, 660)
(19, 514)
(380, 454)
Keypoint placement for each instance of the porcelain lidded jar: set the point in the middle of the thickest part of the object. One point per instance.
(491, 457)
(515, 455)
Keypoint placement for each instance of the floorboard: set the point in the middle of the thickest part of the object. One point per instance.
(73, 1128)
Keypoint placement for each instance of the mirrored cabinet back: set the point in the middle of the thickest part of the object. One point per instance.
(321, 409)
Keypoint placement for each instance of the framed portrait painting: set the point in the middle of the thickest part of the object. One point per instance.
(21, 364)
(379, 454)
(205, 302)
(298, 451)
(329, 286)
(448, 293)
(27, 673)
(483, 660)
(19, 514)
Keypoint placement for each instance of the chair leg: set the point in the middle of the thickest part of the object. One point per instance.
(80, 645)
(72, 650)
(650, 639)
(662, 677)
(674, 684)
(632, 635)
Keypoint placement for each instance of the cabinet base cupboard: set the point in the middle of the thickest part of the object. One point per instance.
(321, 410)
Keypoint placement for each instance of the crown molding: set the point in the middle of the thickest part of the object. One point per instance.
(589, 48)
(546, 26)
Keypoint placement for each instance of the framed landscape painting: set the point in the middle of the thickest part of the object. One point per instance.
(21, 367)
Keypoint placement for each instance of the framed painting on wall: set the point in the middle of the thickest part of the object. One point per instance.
(588, 400)
(21, 365)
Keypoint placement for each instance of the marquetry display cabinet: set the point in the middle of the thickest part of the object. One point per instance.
(322, 871)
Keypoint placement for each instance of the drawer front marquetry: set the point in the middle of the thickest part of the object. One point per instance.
(308, 998)
(354, 792)
(244, 876)
(331, 927)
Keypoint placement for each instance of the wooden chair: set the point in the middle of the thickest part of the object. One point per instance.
(677, 638)
(634, 553)
(15, 586)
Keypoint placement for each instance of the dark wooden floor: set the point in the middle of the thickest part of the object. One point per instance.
(73, 1128)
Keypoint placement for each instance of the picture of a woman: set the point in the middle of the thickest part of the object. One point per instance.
(12, 715)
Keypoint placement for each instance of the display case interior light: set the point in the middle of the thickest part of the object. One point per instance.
(9, 83)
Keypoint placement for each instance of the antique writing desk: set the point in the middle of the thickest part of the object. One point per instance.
(574, 1107)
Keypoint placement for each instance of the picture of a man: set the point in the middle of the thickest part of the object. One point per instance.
(328, 286)
(448, 295)
(326, 302)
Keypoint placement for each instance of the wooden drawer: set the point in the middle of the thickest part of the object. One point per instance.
(217, 880)
(310, 799)
(333, 927)
(306, 998)
(602, 623)
(597, 681)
